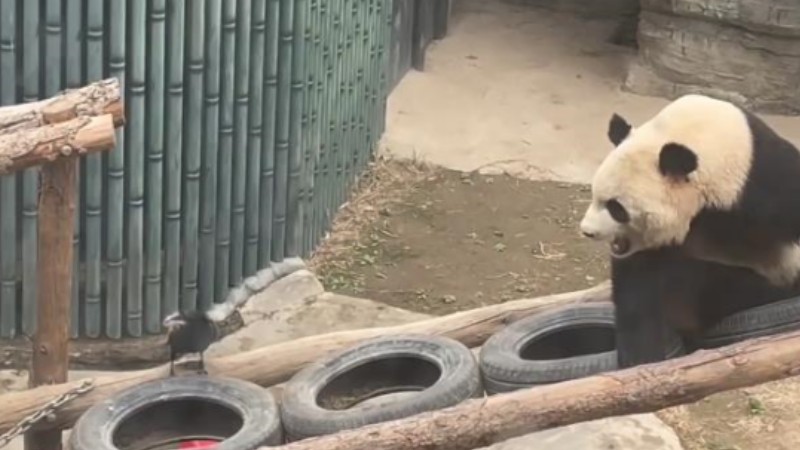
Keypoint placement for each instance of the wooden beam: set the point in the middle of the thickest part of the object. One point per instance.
(482, 422)
(37, 146)
(274, 364)
(95, 99)
(50, 362)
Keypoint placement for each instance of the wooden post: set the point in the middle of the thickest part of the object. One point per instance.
(53, 133)
(50, 362)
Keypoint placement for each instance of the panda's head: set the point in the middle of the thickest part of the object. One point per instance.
(695, 153)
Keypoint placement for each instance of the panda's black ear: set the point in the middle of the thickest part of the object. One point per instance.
(618, 129)
(676, 160)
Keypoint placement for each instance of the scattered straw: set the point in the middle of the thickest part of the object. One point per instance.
(385, 183)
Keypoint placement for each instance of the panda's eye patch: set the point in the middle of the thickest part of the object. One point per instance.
(617, 211)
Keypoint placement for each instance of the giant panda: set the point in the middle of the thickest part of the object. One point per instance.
(701, 208)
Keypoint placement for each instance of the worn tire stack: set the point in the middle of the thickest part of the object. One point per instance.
(745, 51)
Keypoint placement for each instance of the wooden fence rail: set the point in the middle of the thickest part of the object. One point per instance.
(52, 134)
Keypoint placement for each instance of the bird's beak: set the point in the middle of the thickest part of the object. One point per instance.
(173, 321)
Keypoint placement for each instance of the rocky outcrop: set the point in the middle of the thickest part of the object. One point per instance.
(746, 51)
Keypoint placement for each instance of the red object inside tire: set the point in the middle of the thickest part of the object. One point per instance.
(197, 445)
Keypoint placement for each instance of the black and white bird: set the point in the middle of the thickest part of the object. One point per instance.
(190, 332)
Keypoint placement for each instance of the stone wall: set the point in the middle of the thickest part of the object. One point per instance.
(746, 51)
(593, 8)
(625, 12)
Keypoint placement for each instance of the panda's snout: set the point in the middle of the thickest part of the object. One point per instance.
(587, 230)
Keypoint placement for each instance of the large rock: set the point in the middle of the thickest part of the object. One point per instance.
(297, 306)
(594, 8)
(777, 17)
(687, 52)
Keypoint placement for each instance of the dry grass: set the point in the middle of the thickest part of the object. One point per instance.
(384, 184)
(763, 416)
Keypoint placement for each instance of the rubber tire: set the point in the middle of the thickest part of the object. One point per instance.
(255, 405)
(503, 370)
(303, 417)
(765, 320)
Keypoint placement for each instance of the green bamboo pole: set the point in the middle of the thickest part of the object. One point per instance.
(240, 130)
(314, 75)
(294, 202)
(156, 59)
(192, 144)
(8, 183)
(386, 42)
(52, 47)
(326, 122)
(355, 87)
(136, 155)
(309, 125)
(350, 63)
(301, 34)
(173, 149)
(31, 81)
(338, 113)
(372, 79)
(368, 84)
(376, 66)
(382, 63)
(282, 130)
(344, 102)
(341, 104)
(93, 179)
(304, 150)
(115, 249)
(208, 207)
(254, 144)
(322, 163)
(268, 128)
(363, 85)
(73, 73)
(228, 64)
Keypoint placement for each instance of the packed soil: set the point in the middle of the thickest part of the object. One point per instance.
(456, 241)
(439, 241)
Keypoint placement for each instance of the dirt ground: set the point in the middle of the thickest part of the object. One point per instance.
(439, 241)
(459, 241)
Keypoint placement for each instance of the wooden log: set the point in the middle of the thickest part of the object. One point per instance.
(95, 99)
(276, 363)
(482, 422)
(37, 146)
(50, 362)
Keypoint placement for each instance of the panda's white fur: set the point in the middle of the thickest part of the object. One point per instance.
(660, 207)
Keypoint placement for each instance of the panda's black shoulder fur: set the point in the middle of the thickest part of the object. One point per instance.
(662, 292)
(772, 190)
(767, 215)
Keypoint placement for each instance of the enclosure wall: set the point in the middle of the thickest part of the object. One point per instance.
(247, 122)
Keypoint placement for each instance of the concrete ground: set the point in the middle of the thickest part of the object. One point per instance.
(520, 89)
